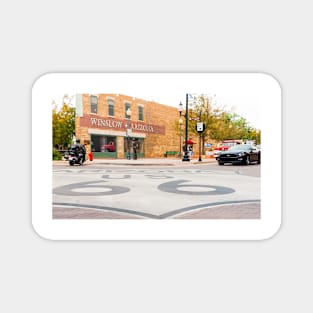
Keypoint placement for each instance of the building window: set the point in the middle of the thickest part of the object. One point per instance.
(127, 106)
(110, 107)
(101, 143)
(94, 104)
(140, 113)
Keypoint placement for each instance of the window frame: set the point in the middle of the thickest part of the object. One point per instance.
(110, 100)
(127, 105)
(92, 104)
(141, 108)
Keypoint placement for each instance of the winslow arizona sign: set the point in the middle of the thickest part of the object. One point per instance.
(118, 124)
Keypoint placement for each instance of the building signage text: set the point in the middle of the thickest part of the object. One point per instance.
(117, 124)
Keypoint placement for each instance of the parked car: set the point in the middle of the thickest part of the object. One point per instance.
(242, 154)
(110, 147)
(225, 145)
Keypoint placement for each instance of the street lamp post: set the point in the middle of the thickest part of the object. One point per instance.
(186, 155)
(200, 135)
(199, 148)
(180, 133)
(128, 114)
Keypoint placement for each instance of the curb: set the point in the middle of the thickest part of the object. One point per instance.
(138, 162)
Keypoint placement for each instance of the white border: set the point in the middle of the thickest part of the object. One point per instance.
(268, 95)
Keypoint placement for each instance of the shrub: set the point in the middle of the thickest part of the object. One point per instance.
(56, 155)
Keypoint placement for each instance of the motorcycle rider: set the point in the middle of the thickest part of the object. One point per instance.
(78, 148)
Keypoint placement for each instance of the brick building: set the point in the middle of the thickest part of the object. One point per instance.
(114, 126)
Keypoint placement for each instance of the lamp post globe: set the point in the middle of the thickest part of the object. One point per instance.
(180, 109)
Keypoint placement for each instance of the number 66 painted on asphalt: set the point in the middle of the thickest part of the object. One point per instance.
(175, 186)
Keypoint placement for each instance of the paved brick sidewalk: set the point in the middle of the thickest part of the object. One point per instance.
(230, 211)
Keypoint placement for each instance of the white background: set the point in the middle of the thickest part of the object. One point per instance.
(266, 99)
(242, 276)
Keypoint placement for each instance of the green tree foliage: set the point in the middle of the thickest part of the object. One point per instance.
(230, 126)
(202, 110)
(56, 155)
(219, 124)
(63, 124)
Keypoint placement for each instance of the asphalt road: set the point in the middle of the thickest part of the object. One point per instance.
(204, 191)
(250, 170)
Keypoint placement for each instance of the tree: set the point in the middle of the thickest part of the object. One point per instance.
(205, 110)
(63, 123)
(220, 124)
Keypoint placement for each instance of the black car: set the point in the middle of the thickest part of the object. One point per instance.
(242, 154)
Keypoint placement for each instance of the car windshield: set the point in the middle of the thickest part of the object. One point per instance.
(240, 147)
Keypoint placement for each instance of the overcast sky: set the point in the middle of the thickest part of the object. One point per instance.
(236, 92)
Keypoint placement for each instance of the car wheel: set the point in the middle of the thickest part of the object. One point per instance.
(220, 163)
(259, 159)
(247, 160)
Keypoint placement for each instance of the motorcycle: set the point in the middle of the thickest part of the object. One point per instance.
(73, 158)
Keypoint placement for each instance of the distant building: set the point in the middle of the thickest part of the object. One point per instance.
(102, 124)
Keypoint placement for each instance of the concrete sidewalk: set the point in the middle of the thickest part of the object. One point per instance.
(144, 162)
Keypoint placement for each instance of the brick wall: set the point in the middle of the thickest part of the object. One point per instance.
(160, 125)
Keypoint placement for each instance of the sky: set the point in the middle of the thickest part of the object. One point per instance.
(241, 93)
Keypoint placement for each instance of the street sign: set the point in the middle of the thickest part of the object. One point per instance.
(200, 127)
